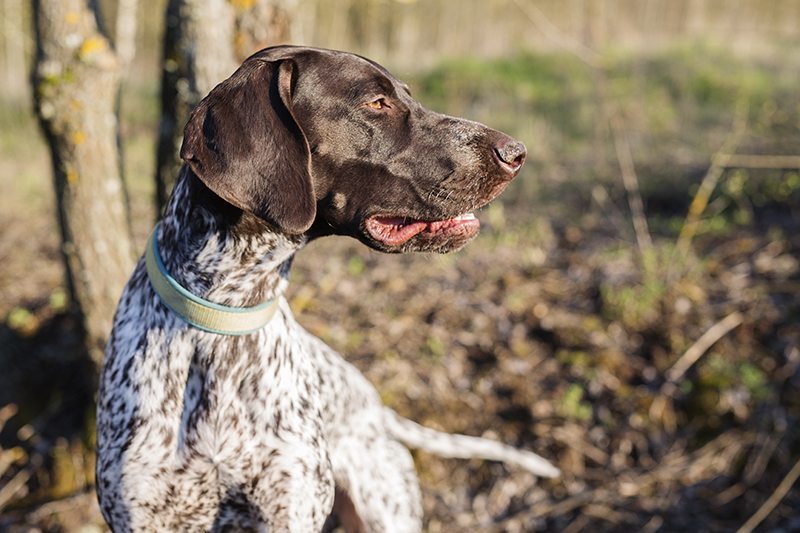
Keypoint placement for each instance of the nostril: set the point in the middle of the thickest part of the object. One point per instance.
(512, 153)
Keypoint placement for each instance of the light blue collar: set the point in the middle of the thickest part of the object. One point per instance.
(198, 312)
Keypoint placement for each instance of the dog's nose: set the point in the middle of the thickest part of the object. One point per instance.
(510, 154)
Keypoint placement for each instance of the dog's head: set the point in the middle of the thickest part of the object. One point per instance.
(323, 142)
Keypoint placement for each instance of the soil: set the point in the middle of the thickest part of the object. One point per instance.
(550, 332)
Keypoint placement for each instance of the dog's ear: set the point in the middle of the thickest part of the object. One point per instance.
(243, 142)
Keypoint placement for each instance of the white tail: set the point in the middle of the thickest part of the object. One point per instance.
(464, 447)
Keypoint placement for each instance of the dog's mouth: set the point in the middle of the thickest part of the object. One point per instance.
(395, 230)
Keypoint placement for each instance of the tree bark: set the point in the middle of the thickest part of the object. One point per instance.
(125, 33)
(76, 83)
(14, 84)
(261, 23)
(198, 54)
(204, 40)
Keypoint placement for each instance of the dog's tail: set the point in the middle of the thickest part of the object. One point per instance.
(462, 446)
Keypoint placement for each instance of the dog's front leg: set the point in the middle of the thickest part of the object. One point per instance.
(295, 488)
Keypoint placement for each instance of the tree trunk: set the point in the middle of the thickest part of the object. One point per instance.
(204, 40)
(76, 82)
(261, 23)
(13, 50)
(198, 54)
(125, 33)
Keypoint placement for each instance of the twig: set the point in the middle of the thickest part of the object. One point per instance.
(614, 214)
(9, 457)
(552, 33)
(604, 512)
(571, 436)
(715, 458)
(762, 161)
(661, 407)
(773, 501)
(729, 494)
(73, 500)
(631, 182)
(12, 487)
(6, 413)
(719, 162)
(766, 444)
(701, 345)
(580, 523)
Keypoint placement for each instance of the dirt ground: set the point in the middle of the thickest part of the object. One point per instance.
(547, 333)
(663, 380)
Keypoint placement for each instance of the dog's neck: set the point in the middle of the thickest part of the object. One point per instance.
(219, 253)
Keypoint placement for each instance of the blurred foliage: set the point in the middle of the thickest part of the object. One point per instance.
(571, 404)
(678, 106)
(553, 330)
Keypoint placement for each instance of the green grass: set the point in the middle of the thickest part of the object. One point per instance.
(591, 313)
(678, 106)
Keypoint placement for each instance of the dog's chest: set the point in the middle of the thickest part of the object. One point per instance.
(256, 399)
(200, 420)
(222, 395)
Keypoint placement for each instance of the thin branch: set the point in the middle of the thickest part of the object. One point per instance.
(719, 162)
(552, 33)
(777, 162)
(773, 501)
(701, 345)
(715, 458)
(6, 413)
(631, 182)
(10, 489)
(80, 498)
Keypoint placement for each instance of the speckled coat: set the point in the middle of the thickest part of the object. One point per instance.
(273, 430)
(198, 431)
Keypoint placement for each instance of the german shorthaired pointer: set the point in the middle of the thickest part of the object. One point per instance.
(272, 430)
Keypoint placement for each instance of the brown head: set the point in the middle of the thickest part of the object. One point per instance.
(322, 142)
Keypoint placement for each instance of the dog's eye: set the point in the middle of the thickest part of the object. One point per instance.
(378, 103)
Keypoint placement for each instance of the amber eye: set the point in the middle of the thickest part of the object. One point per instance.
(378, 103)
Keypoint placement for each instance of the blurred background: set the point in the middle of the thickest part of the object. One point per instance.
(630, 311)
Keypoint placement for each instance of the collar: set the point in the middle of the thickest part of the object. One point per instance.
(198, 312)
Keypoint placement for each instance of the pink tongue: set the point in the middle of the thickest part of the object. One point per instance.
(394, 230)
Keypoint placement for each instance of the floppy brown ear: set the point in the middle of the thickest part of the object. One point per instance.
(243, 142)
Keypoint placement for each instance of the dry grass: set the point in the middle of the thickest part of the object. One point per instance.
(663, 384)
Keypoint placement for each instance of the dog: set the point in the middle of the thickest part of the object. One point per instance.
(216, 410)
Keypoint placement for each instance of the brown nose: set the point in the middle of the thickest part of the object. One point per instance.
(510, 154)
